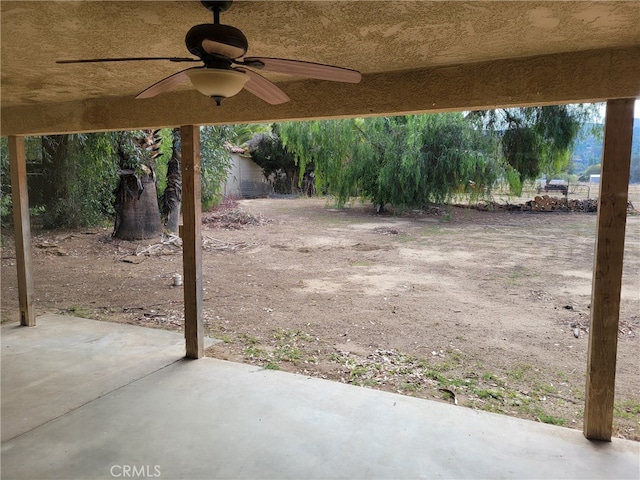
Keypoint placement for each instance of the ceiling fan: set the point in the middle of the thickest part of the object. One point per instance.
(226, 71)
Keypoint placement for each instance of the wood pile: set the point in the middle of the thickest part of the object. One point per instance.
(545, 203)
(232, 219)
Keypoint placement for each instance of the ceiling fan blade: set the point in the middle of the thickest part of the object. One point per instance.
(165, 84)
(130, 59)
(263, 88)
(306, 69)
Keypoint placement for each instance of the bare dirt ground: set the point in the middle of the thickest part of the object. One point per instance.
(489, 310)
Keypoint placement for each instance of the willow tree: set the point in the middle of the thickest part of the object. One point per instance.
(537, 140)
(402, 160)
(426, 159)
(327, 146)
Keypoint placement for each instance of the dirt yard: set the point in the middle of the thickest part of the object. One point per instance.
(489, 310)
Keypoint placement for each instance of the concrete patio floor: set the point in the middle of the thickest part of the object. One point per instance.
(83, 399)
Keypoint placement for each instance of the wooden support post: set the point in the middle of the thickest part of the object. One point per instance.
(607, 270)
(22, 229)
(192, 241)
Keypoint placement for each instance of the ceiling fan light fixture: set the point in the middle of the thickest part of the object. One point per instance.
(217, 83)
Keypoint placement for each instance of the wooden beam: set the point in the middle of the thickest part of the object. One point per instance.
(568, 77)
(607, 270)
(192, 241)
(22, 229)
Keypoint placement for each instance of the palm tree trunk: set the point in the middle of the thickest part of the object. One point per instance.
(172, 196)
(136, 206)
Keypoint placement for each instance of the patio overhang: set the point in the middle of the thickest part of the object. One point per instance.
(414, 56)
(569, 77)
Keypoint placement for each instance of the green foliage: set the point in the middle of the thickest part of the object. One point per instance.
(403, 160)
(268, 152)
(591, 170)
(89, 177)
(130, 155)
(627, 409)
(34, 158)
(71, 178)
(550, 419)
(215, 161)
(326, 145)
(521, 147)
(243, 133)
(163, 159)
(537, 140)
(96, 167)
(215, 157)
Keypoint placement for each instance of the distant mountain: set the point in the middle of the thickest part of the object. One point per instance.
(588, 149)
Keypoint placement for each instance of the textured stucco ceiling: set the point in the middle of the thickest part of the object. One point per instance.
(377, 38)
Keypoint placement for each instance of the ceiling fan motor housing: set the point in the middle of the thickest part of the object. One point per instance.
(222, 34)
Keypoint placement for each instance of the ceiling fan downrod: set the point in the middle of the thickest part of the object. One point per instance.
(217, 7)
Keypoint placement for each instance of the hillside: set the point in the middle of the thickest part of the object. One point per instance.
(588, 149)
